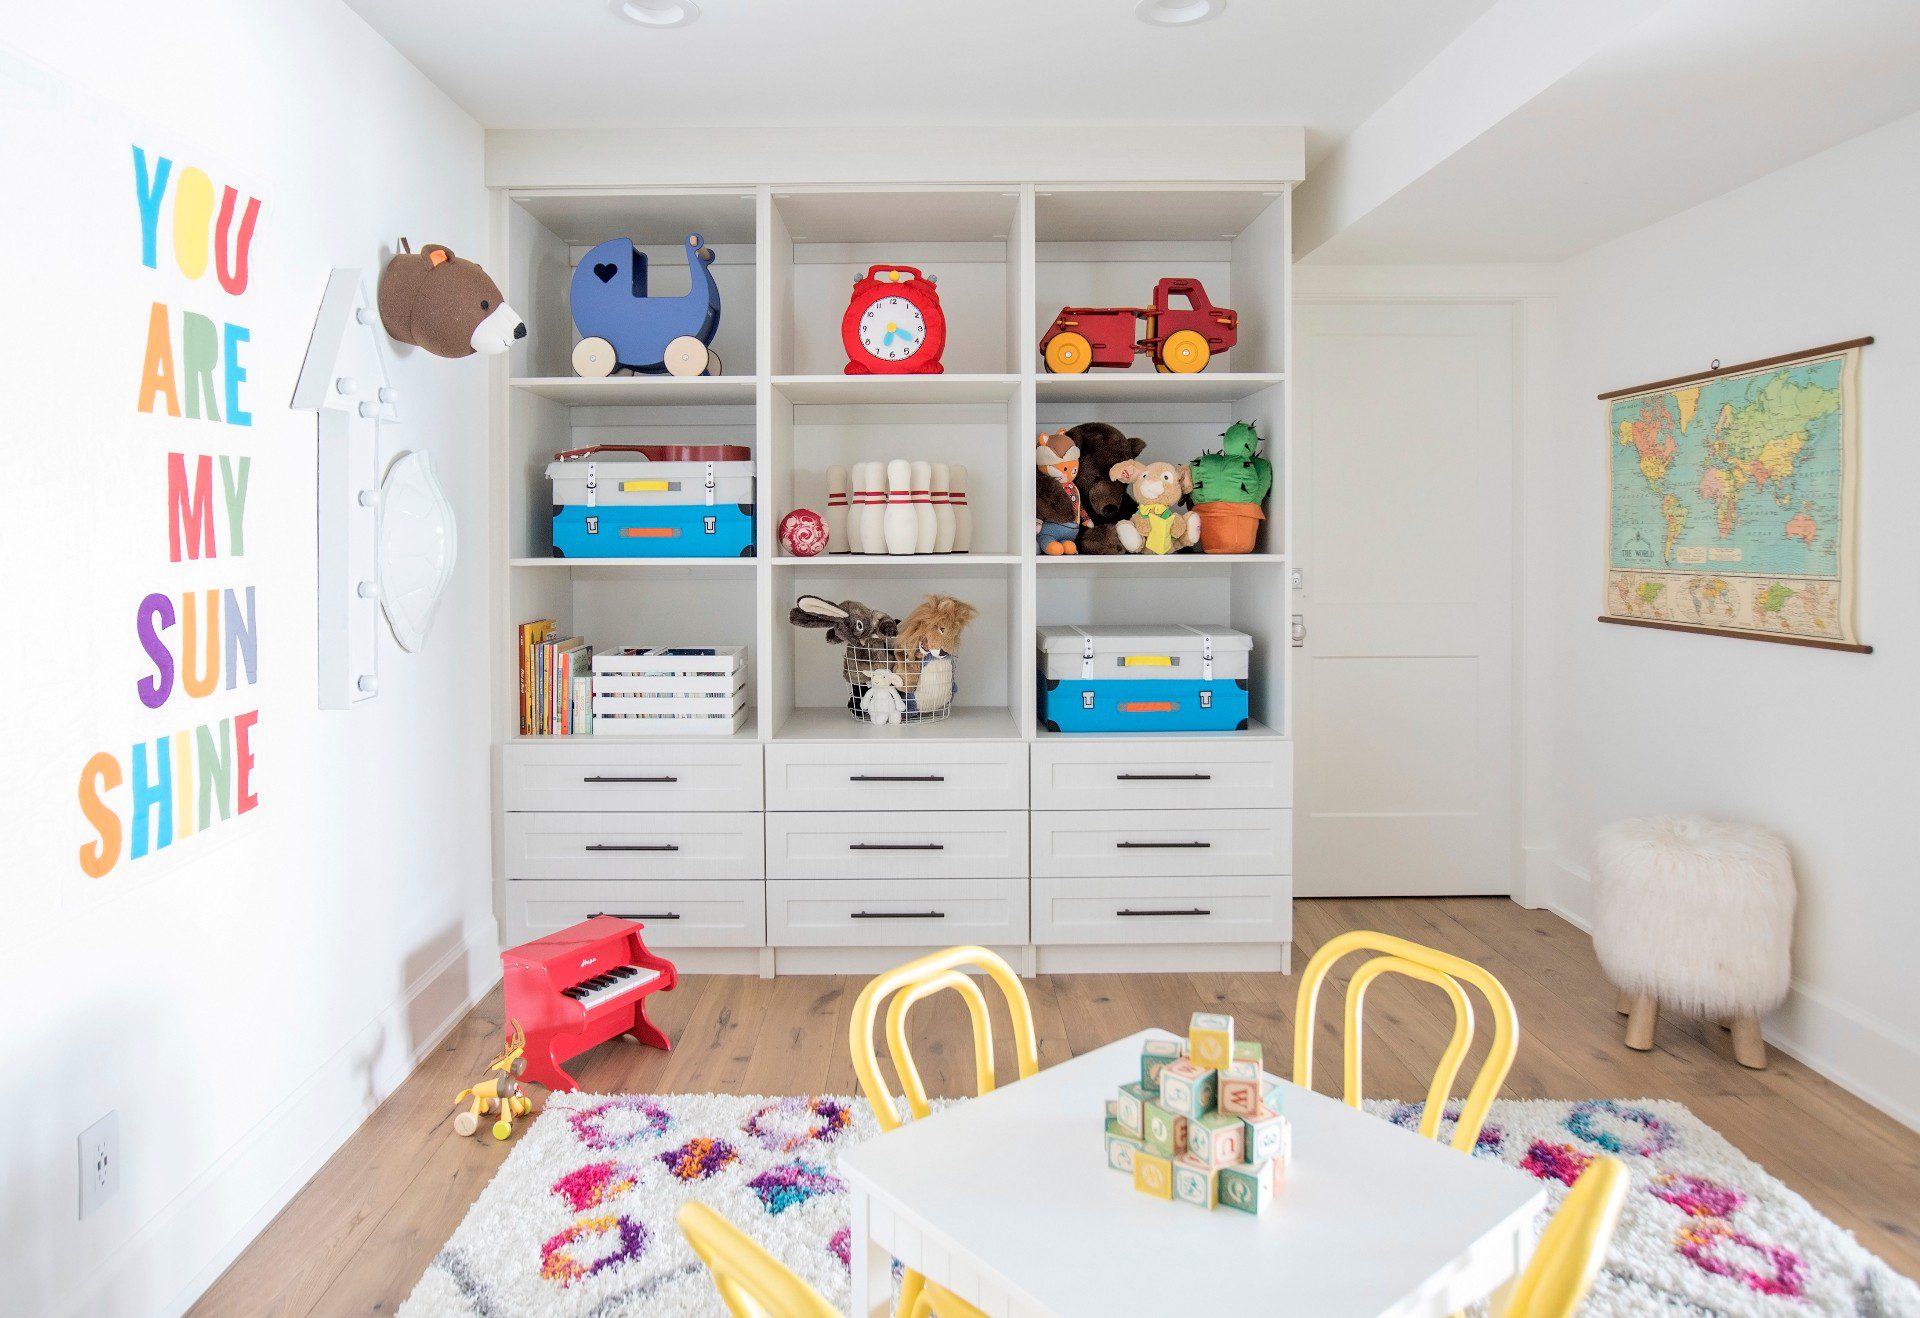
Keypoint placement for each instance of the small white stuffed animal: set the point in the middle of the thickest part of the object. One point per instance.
(883, 702)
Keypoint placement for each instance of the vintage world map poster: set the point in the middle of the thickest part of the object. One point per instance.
(1731, 499)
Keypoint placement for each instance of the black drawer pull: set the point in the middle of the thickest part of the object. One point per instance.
(633, 846)
(638, 915)
(899, 915)
(896, 846)
(619, 778)
(1192, 910)
(1163, 777)
(897, 778)
(1163, 846)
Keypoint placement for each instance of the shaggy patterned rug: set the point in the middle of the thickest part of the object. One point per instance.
(579, 1220)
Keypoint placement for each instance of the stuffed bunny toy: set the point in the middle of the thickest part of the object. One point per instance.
(883, 702)
(1160, 523)
(865, 632)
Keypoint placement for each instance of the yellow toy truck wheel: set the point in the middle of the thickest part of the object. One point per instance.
(465, 1124)
(1069, 353)
(502, 1128)
(1185, 351)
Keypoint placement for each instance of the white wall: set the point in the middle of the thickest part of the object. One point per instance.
(244, 1000)
(1819, 745)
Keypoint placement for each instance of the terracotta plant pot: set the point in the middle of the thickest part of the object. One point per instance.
(1229, 528)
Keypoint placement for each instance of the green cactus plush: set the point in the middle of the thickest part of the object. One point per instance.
(1236, 474)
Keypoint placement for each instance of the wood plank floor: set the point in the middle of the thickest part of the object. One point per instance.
(356, 1239)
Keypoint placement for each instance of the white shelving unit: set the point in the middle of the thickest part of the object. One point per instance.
(801, 774)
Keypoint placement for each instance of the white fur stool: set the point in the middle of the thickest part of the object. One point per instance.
(1697, 914)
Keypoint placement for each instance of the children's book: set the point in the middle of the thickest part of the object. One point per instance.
(531, 635)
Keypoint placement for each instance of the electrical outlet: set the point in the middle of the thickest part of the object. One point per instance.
(99, 1163)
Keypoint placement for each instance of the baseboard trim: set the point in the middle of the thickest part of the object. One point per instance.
(285, 1148)
(1866, 1056)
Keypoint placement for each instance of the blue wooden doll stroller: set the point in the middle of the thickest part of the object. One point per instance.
(624, 329)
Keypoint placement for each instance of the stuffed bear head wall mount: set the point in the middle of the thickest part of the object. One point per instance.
(445, 304)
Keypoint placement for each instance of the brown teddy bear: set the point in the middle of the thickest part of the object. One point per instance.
(447, 305)
(1159, 525)
(1103, 500)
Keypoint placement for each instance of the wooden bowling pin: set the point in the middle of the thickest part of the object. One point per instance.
(943, 527)
(900, 529)
(873, 509)
(836, 510)
(962, 515)
(924, 526)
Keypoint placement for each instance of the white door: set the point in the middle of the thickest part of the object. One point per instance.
(1403, 503)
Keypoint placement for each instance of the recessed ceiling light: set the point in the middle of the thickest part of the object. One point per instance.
(657, 13)
(1177, 13)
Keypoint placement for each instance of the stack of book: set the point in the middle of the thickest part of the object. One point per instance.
(555, 682)
(673, 691)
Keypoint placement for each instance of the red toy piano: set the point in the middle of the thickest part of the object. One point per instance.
(580, 987)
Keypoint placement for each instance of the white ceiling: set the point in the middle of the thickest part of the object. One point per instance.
(1700, 98)
(1321, 64)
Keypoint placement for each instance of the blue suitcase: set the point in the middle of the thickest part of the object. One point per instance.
(653, 531)
(1135, 705)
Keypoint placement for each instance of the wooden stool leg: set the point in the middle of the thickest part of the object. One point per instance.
(1624, 1004)
(1749, 1049)
(1644, 1015)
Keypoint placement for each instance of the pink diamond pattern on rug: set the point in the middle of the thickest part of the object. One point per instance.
(616, 1123)
(1555, 1162)
(592, 1185)
(1715, 1247)
(794, 1122)
(793, 1183)
(1696, 1195)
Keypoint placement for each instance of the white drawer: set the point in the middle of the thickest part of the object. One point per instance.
(1106, 773)
(913, 913)
(578, 773)
(1210, 909)
(1091, 843)
(944, 775)
(730, 914)
(897, 845)
(632, 845)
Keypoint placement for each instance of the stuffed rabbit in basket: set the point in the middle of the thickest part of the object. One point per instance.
(867, 633)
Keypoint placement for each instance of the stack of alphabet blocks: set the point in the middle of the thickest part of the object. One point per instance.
(1202, 1124)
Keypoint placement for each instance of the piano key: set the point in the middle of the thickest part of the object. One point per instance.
(619, 982)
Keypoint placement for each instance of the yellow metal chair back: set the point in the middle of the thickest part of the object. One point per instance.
(752, 1283)
(934, 973)
(908, 984)
(1573, 1246)
(1398, 956)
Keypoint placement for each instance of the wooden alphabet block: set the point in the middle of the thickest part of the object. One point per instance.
(1241, 1069)
(1249, 1050)
(1269, 1137)
(1210, 1040)
(1153, 1175)
(1164, 1133)
(1248, 1188)
(1216, 1139)
(1154, 1056)
(1121, 1148)
(1187, 1089)
(1127, 1108)
(1194, 1183)
(1239, 1096)
(1270, 1096)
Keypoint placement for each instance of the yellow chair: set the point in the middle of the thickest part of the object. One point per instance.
(905, 985)
(752, 1283)
(1398, 956)
(1573, 1246)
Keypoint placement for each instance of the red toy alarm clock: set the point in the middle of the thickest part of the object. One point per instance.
(894, 325)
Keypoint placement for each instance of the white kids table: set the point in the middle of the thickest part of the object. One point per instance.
(1008, 1202)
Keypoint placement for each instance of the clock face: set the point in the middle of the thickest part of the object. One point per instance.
(892, 328)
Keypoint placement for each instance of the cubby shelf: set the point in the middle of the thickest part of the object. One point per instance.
(1254, 731)
(641, 390)
(897, 560)
(638, 564)
(1148, 386)
(1188, 560)
(749, 731)
(896, 388)
(967, 723)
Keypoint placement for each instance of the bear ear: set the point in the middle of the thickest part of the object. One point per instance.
(1135, 447)
(436, 254)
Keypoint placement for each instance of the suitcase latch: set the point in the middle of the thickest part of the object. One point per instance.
(1206, 662)
(593, 485)
(593, 523)
(1086, 700)
(1206, 700)
(710, 485)
(710, 523)
(1086, 663)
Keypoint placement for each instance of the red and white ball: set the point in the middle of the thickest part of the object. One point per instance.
(804, 532)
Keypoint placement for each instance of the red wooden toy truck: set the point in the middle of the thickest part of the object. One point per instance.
(1181, 339)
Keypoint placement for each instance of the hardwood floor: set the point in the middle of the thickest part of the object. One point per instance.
(356, 1239)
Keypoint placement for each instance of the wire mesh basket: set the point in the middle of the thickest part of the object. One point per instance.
(886, 685)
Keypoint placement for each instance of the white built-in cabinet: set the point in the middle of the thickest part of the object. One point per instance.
(811, 842)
